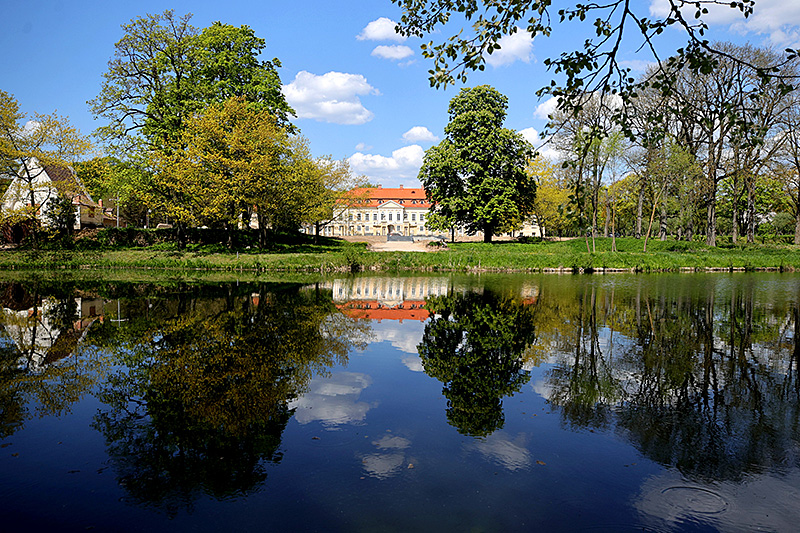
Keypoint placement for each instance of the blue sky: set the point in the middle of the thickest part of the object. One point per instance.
(360, 91)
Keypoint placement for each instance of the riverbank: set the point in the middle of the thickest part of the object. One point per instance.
(561, 257)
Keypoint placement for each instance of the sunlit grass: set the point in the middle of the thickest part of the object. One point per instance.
(339, 256)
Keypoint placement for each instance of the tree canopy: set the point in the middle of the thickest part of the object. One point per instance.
(476, 176)
(165, 69)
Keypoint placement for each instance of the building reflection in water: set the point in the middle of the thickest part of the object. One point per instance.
(402, 298)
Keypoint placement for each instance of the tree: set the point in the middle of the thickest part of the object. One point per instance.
(593, 68)
(476, 175)
(119, 183)
(164, 70)
(27, 147)
(552, 196)
(335, 190)
(227, 159)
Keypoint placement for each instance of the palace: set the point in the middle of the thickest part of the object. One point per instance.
(392, 211)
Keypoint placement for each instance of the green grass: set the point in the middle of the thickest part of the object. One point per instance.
(339, 256)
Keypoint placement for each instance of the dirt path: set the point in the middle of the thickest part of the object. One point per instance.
(421, 246)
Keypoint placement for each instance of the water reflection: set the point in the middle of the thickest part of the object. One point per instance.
(654, 402)
(204, 394)
(697, 378)
(333, 400)
(475, 345)
(42, 362)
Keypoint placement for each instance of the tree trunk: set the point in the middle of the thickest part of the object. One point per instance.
(662, 221)
(797, 228)
(605, 228)
(735, 212)
(180, 228)
(751, 214)
(639, 207)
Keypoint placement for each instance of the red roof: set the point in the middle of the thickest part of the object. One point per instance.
(373, 310)
(375, 196)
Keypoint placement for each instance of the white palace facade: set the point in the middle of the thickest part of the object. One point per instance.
(392, 211)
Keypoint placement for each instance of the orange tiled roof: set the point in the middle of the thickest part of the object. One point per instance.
(372, 310)
(375, 196)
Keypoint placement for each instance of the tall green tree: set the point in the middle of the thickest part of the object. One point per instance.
(476, 176)
(165, 69)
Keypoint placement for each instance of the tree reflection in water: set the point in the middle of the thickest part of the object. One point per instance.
(475, 344)
(201, 403)
(43, 362)
(696, 378)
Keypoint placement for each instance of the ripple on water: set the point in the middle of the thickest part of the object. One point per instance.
(622, 528)
(695, 500)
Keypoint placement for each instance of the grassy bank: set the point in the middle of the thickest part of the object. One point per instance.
(337, 256)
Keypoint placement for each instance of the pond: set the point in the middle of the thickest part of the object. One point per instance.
(422, 403)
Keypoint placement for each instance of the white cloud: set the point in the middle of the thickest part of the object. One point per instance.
(636, 65)
(387, 462)
(541, 145)
(363, 146)
(515, 47)
(546, 108)
(419, 134)
(332, 97)
(381, 29)
(403, 165)
(394, 52)
(777, 20)
(31, 127)
(413, 363)
(531, 135)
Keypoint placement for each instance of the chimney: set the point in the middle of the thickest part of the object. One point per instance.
(401, 186)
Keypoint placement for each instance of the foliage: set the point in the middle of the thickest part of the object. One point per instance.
(60, 216)
(164, 70)
(475, 177)
(119, 184)
(592, 68)
(551, 196)
(28, 146)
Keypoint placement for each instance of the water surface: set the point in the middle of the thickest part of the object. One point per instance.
(491, 403)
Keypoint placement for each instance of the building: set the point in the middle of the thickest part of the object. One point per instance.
(391, 211)
(47, 181)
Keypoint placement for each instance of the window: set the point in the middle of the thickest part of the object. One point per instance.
(413, 216)
(390, 217)
(413, 201)
(405, 216)
(351, 216)
(375, 216)
(358, 216)
(383, 216)
(421, 217)
(366, 228)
